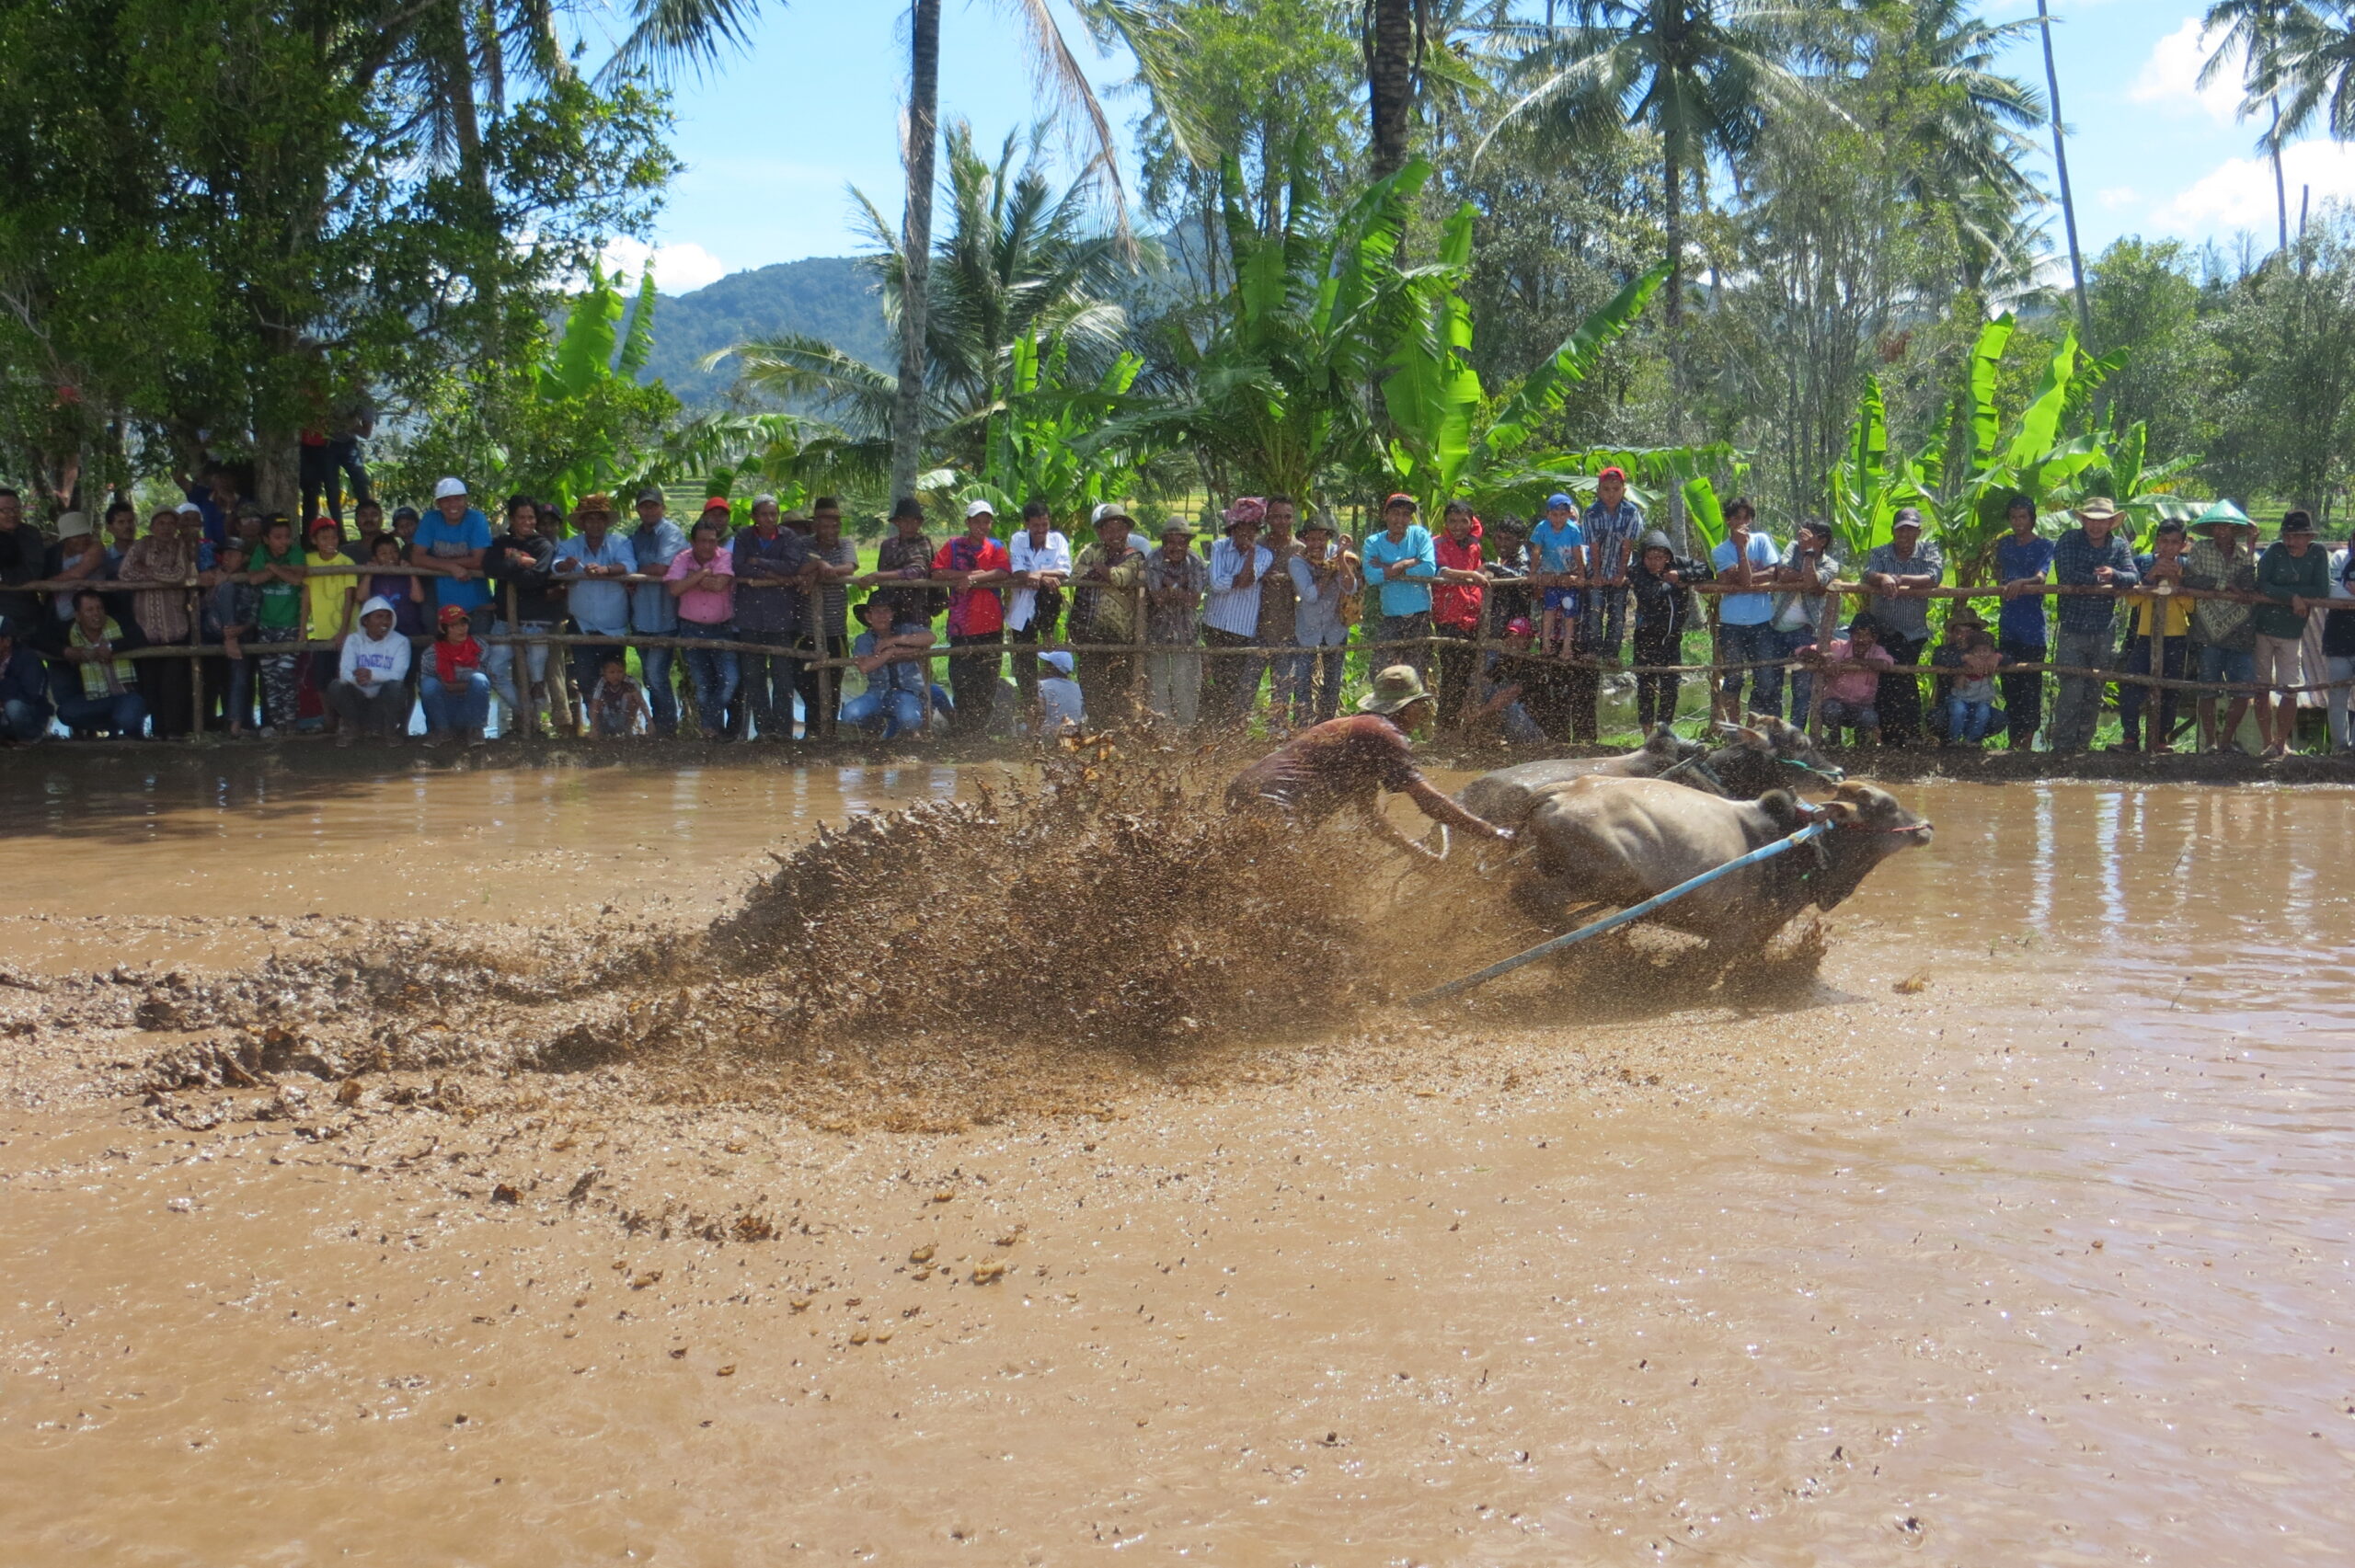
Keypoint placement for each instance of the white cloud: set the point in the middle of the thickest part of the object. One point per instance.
(2238, 193)
(677, 268)
(2118, 196)
(2170, 79)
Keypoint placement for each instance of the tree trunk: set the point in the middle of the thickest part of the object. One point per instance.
(915, 241)
(1673, 220)
(2061, 165)
(2281, 189)
(1390, 81)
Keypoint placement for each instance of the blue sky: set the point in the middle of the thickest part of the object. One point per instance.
(775, 138)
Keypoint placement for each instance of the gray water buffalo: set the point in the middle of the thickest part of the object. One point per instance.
(1765, 754)
(1615, 842)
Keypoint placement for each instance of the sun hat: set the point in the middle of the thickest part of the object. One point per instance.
(1173, 524)
(450, 612)
(1519, 627)
(73, 525)
(1059, 657)
(2221, 513)
(596, 502)
(453, 486)
(375, 604)
(1107, 510)
(2297, 522)
(978, 508)
(1399, 686)
(2098, 508)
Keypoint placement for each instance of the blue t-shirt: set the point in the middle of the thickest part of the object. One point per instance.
(1410, 594)
(2021, 620)
(444, 540)
(1554, 545)
(1746, 609)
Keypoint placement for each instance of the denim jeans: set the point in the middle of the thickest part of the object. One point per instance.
(1854, 715)
(371, 710)
(1967, 723)
(895, 712)
(461, 707)
(661, 696)
(1402, 628)
(2023, 691)
(1800, 678)
(125, 712)
(1290, 673)
(1748, 645)
(2132, 699)
(1324, 666)
(2341, 669)
(2076, 708)
(713, 670)
(765, 684)
(24, 721)
(498, 663)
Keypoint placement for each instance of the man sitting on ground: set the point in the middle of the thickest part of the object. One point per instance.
(371, 692)
(103, 684)
(25, 709)
(1344, 764)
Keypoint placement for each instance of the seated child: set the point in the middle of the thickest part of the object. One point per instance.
(617, 707)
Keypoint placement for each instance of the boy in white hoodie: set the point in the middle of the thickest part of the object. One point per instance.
(371, 692)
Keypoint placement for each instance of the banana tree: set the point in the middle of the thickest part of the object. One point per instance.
(1033, 445)
(1447, 439)
(590, 416)
(1867, 486)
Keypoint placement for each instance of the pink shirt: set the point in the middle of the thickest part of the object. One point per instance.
(1855, 686)
(704, 606)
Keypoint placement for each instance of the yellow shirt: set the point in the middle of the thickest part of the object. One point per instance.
(324, 597)
(2175, 622)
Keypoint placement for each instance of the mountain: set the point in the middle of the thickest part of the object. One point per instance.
(831, 297)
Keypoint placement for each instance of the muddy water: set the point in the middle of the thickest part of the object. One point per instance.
(2028, 1238)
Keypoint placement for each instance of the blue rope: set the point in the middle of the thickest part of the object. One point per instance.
(1609, 922)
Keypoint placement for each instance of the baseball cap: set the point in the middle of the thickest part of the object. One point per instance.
(1059, 657)
(452, 486)
(978, 508)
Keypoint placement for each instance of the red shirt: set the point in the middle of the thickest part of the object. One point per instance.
(1457, 603)
(450, 660)
(973, 612)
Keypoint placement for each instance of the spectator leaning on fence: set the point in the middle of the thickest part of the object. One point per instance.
(1279, 614)
(232, 612)
(518, 565)
(1174, 581)
(2173, 614)
(2294, 576)
(702, 580)
(591, 565)
(1040, 560)
(1401, 561)
(278, 573)
(1328, 595)
(2023, 557)
(1661, 586)
(1457, 603)
(2219, 559)
(772, 562)
(1745, 562)
(25, 708)
(451, 544)
(907, 557)
(976, 616)
(1557, 547)
(1239, 565)
(833, 561)
(22, 555)
(1900, 573)
(1807, 565)
(370, 690)
(1104, 609)
(2338, 646)
(652, 611)
(1610, 526)
(2089, 555)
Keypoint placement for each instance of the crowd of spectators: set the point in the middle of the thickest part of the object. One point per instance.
(721, 628)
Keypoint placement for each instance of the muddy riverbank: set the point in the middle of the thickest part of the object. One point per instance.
(2020, 1234)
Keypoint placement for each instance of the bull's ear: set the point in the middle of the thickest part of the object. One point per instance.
(1783, 809)
(1842, 812)
(1742, 735)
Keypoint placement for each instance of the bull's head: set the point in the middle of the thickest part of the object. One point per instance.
(1792, 745)
(1869, 826)
(1669, 747)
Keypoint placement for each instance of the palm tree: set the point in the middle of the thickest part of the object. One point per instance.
(2255, 30)
(1700, 75)
(2060, 169)
(1393, 41)
(1020, 262)
(700, 29)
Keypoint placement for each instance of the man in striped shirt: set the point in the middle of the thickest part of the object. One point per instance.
(1239, 563)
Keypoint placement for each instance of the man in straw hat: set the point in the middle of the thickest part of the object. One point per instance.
(2089, 555)
(1344, 764)
(2221, 559)
(1175, 578)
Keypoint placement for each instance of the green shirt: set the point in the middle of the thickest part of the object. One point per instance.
(2280, 576)
(282, 602)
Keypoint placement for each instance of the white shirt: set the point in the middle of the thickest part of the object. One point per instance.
(1061, 708)
(385, 659)
(1054, 555)
(1229, 608)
